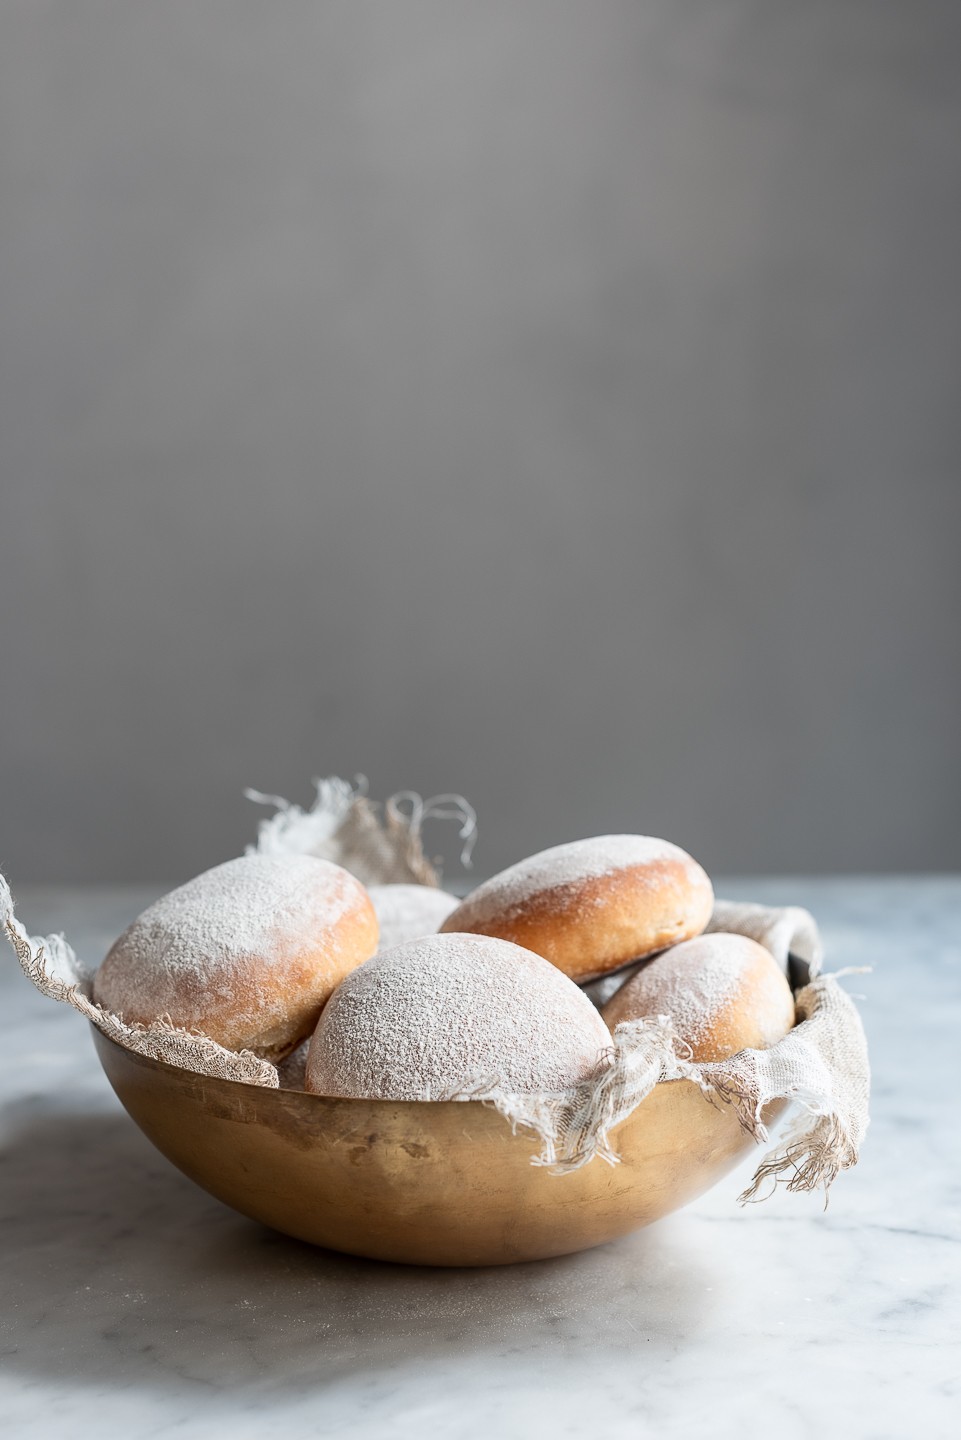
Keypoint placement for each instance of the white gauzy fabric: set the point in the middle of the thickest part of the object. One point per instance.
(344, 826)
(822, 1065)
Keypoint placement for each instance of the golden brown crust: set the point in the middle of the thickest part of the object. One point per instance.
(247, 953)
(590, 925)
(724, 993)
(287, 1013)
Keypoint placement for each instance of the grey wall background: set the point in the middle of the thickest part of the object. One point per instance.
(557, 402)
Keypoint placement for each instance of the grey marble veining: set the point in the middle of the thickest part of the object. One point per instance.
(132, 1302)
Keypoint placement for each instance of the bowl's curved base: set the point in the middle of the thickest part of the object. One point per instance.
(420, 1183)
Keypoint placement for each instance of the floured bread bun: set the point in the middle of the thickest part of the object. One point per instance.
(593, 905)
(724, 993)
(406, 912)
(448, 1013)
(246, 953)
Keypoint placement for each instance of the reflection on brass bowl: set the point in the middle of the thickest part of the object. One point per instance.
(420, 1182)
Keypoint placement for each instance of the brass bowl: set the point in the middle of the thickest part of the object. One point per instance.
(420, 1182)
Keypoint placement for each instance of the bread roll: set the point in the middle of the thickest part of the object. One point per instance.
(450, 1013)
(408, 912)
(724, 993)
(246, 953)
(593, 905)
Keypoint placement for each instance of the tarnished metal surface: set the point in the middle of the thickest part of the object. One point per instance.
(420, 1182)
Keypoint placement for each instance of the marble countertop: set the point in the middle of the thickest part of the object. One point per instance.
(135, 1304)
